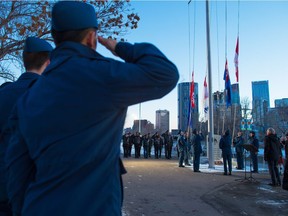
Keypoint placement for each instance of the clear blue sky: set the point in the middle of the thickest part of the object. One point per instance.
(263, 47)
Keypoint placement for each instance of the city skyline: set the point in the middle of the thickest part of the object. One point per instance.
(262, 46)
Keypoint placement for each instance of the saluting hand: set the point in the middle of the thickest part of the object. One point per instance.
(110, 44)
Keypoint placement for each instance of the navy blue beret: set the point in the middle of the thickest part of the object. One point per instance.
(73, 15)
(33, 44)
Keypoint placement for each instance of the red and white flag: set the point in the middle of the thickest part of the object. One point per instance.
(192, 89)
(236, 60)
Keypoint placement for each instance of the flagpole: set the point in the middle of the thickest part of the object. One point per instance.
(210, 120)
(140, 118)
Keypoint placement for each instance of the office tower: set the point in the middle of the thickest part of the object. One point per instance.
(235, 94)
(183, 106)
(162, 121)
(260, 92)
(260, 104)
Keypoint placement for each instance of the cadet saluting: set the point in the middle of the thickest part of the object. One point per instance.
(65, 116)
(35, 59)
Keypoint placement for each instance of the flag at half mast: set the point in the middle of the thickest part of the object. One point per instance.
(226, 77)
(236, 60)
(192, 92)
(205, 100)
(191, 102)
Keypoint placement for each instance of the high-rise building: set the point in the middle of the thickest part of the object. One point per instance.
(260, 92)
(162, 121)
(183, 106)
(235, 94)
(260, 104)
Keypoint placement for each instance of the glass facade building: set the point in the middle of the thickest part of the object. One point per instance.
(184, 103)
(260, 91)
(162, 121)
(235, 94)
(260, 103)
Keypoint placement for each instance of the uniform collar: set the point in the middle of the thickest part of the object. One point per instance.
(28, 75)
(72, 48)
(67, 50)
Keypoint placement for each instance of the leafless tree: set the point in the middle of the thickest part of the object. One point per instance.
(22, 18)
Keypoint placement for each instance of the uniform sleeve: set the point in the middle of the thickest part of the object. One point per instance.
(20, 168)
(146, 74)
(221, 143)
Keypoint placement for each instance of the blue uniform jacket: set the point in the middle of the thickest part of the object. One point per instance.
(65, 158)
(197, 144)
(225, 145)
(8, 98)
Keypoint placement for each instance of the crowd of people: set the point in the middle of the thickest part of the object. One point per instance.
(187, 147)
(147, 142)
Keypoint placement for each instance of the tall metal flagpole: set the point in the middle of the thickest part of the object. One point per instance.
(140, 118)
(210, 119)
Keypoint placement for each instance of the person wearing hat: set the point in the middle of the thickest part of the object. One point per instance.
(197, 149)
(35, 58)
(181, 142)
(225, 146)
(238, 142)
(252, 140)
(284, 142)
(65, 117)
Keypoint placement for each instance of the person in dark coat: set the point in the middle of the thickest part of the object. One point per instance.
(239, 149)
(252, 140)
(137, 141)
(130, 146)
(125, 144)
(35, 59)
(150, 144)
(169, 145)
(157, 145)
(197, 149)
(165, 143)
(271, 155)
(69, 125)
(284, 142)
(145, 142)
(225, 146)
(181, 143)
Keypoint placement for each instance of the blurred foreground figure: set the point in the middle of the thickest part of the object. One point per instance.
(65, 159)
(35, 59)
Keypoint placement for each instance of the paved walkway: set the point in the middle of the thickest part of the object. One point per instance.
(159, 187)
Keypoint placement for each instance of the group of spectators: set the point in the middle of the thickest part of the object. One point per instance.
(273, 146)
